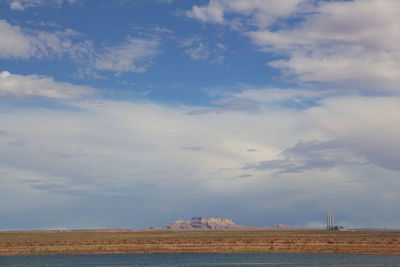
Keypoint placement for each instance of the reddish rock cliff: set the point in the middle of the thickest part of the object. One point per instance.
(202, 223)
(213, 223)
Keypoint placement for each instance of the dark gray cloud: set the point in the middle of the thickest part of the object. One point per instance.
(12, 140)
(17, 143)
(251, 150)
(269, 164)
(246, 175)
(3, 133)
(308, 156)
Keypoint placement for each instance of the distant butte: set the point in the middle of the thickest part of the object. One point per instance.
(215, 223)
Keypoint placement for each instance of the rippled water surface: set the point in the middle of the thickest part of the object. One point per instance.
(202, 260)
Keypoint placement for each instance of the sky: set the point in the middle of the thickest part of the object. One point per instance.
(136, 113)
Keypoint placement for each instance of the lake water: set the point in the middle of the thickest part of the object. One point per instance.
(202, 260)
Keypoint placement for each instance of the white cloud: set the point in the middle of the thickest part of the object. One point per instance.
(134, 55)
(199, 49)
(369, 126)
(13, 42)
(329, 41)
(311, 155)
(375, 72)
(14, 85)
(262, 12)
(337, 45)
(276, 95)
(133, 152)
(23, 4)
(15, 5)
(213, 12)
(16, 42)
(259, 98)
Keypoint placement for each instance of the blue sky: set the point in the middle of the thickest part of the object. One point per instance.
(126, 114)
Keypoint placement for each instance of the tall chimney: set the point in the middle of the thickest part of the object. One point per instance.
(327, 221)
(330, 221)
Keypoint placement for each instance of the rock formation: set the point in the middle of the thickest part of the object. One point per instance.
(213, 223)
(202, 223)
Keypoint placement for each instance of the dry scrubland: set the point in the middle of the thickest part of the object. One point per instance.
(300, 241)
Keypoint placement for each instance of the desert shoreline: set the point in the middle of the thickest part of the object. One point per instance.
(134, 241)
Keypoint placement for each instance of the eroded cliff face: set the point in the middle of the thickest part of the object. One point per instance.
(202, 223)
(215, 223)
(211, 220)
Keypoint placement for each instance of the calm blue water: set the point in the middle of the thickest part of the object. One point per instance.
(202, 260)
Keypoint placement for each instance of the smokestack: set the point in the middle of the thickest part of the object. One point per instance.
(328, 221)
(330, 224)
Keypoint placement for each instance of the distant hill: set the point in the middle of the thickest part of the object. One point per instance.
(215, 223)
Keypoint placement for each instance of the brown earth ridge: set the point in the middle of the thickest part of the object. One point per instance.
(272, 241)
(199, 235)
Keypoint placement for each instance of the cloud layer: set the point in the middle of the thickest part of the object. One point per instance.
(332, 42)
(170, 163)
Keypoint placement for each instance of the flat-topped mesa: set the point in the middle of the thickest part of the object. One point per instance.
(215, 223)
(211, 220)
(201, 223)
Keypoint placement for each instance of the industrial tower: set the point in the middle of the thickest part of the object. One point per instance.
(330, 225)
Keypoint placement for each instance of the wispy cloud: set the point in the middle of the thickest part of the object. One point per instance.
(14, 85)
(305, 156)
(16, 42)
(133, 55)
(252, 98)
(226, 105)
(199, 49)
(24, 4)
(263, 13)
